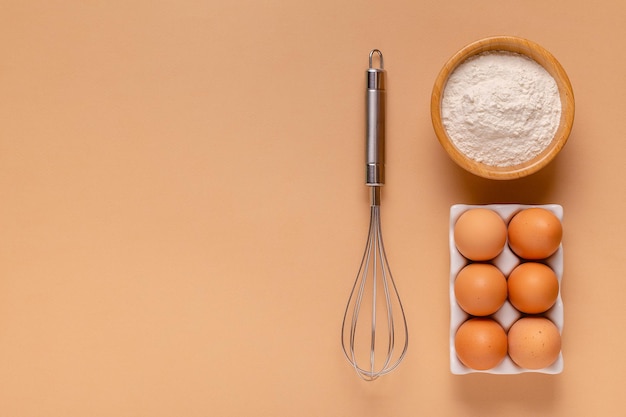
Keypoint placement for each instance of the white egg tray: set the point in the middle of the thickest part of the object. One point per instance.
(507, 314)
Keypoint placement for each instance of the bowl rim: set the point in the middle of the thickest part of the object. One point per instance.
(535, 52)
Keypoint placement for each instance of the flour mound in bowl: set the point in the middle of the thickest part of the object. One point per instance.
(501, 108)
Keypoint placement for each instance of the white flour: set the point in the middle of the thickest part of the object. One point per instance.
(501, 108)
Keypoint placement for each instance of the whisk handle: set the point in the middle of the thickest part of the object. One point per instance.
(375, 129)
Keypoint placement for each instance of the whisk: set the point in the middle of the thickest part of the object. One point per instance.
(374, 306)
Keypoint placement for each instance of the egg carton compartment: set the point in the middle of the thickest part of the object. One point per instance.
(507, 314)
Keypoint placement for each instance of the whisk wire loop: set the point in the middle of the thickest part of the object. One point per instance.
(374, 273)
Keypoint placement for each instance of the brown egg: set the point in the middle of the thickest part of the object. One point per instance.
(535, 233)
(480, 343)
(480, 234)
(533, 287)
(534, 342)
(480, 289)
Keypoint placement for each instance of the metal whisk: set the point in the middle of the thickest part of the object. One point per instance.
(374, 306)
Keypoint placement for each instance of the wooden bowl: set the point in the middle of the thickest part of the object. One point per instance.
(539, 55)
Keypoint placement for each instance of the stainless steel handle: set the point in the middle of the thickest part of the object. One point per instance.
(375, 129)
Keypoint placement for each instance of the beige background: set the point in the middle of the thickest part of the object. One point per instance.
(183, 210)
